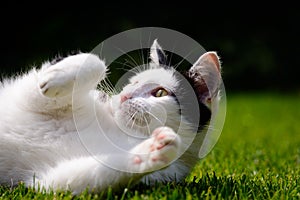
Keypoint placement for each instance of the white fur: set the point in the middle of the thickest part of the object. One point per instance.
(56, 133)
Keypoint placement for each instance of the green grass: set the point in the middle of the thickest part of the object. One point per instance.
(257, 157)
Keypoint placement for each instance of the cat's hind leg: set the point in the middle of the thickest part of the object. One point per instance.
(80, 73)
(152, 154)
(81, 173)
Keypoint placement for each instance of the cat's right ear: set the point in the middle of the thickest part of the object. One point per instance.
(205, 76)
(157, 55)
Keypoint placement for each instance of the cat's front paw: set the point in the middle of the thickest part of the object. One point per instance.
(54, 82)
(158, 151)
(83, 69)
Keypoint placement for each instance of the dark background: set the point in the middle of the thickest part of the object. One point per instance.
(258, 45)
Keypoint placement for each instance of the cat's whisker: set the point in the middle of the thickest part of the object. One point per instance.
(133, 122)
(183, 59)
(148, 127)
(129, 56)
(107, 87)
(155, 117)
(126, 63)
(132, 67)
(173, 50)
(139, 69)
(141, 52)
(135, 70)
(130, 63)
(131, 119)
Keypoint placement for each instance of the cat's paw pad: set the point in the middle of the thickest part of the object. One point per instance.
(164, 137)
(158, 151)
(165, 145)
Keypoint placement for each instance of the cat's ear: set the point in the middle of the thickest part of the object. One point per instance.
(205, 76)
(157, 54)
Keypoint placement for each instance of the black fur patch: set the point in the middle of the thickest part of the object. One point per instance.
(189, 103)
(177, 101)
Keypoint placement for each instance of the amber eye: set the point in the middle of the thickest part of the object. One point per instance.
(160, 92)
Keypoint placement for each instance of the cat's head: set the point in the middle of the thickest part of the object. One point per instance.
(161, 96)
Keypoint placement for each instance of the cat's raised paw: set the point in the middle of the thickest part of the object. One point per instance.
(158, 151)
(164, 137)
(55, 83)
(58, 80)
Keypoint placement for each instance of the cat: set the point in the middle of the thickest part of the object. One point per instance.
(59, 132)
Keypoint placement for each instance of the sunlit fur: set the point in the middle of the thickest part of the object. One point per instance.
(64, 141)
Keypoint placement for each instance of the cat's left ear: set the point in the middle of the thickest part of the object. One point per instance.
(205, 76)
(157, 55)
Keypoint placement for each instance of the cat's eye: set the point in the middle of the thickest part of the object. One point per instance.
(160, 92)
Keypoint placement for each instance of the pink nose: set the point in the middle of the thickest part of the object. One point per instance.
(125, 97)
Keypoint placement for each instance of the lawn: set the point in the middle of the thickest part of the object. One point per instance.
(256, 157)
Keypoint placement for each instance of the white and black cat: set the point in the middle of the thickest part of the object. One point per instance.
(58, 132)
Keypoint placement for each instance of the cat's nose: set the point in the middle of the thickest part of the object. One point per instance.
(125, 97)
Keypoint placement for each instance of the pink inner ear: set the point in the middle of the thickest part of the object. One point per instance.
(214, 58)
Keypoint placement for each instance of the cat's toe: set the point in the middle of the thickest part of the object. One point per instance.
(52, 83)
(164, 137)
(156, 152)
(58, 80)
(165, 146)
